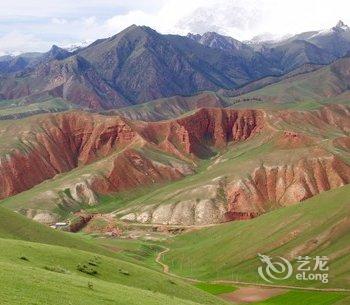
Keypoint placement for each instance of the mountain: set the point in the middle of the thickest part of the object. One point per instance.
(317, 47)
(77, 46)
(217, 41)
(138, 65)
(291, 55)
(168, 108)
(269, 80)
(241, 163)
(313, 47)
(335, 41)
(72, 78)
(13, 64)
(144, 65)
(328, 84)
(133, 66)
(55, 53)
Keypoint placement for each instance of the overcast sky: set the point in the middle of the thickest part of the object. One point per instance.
(34, 25)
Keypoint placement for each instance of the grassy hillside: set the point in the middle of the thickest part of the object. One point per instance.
(32, 286)
(16, 226)
(307, 91)
(28, 266)
(306, 298)
(15, 109)
(166, 108)
(318, 226)
(47, 261)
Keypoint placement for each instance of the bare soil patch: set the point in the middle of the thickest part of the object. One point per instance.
(251, 294)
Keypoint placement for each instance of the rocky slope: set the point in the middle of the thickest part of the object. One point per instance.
(109, 154)
(138, 65)
(267, 187)
(131, 67)
(62, 142)
(298, 167)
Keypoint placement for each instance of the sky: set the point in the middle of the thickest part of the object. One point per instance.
(35, 25)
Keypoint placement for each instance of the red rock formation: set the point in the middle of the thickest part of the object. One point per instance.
(65, 141)
(60, 142)
(342, 143)
(82, 219)
(213, 127)
(131, 169)
(286, 184)
(335, 115)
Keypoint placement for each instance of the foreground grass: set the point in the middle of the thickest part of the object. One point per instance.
(38, 270)
(215, 289)
(305, 298)
(16, 226)
(47, 263)
(31, 286)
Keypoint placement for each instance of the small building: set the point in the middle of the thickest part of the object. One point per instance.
(59, 225)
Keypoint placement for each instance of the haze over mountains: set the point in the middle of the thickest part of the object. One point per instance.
(138, 65)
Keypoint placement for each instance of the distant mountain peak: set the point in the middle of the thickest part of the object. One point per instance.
(77, 45)
(341, 26)
(217, 41)
(57, 53)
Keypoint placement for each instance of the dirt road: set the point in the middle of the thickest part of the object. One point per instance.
(166, 270)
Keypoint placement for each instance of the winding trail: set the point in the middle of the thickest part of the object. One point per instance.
(158, 260)
(166, 270)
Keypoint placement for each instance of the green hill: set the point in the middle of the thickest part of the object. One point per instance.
(305, 91)
(15, 226)
(318, 226)
(39, 272)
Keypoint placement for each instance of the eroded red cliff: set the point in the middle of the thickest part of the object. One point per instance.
(63, 142)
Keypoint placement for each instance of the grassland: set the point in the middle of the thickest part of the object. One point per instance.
(26, 285)
(318, 226)
(17, 227)
(305, 298)
(14, 109)
(215, 289)
(37, 273)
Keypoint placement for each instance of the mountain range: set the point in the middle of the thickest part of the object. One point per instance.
(180, 161)
(139, 64)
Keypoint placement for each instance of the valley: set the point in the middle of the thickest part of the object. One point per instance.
(151, 168)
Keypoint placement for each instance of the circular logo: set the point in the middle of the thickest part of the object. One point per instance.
(279, 269)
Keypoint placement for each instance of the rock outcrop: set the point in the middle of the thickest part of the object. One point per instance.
(284, 157)
(273, 186)
(62, 142)
(266, 188)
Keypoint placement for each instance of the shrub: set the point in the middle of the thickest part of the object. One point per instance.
(57, 269)
(86, 269)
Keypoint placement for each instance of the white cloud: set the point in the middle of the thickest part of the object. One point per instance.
(59, 21)
(62, 22)
(16, 43)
